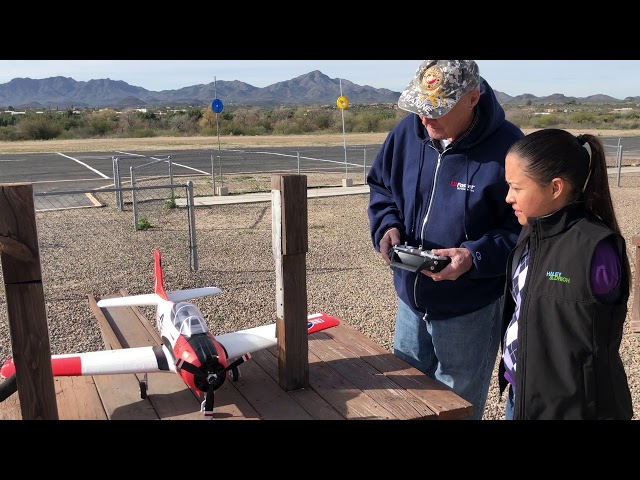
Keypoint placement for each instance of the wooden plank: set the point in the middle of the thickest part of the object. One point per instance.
(170, 397)
(78, 399)
(265, 395)
(109, 337)
(126, 325)
(308, 399)
(120, 396)
(342, 395)
(440, 399)
(379, 387)
(143, 320)
(231, 405)
(10, 408)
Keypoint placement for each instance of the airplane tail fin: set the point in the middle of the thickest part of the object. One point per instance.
(159, 293)
(158, 280)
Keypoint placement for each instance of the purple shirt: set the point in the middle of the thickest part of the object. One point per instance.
(605, 269)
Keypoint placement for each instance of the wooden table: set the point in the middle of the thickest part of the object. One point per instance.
(350, 377)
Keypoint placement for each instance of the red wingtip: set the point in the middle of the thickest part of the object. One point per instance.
(8, 369)
(321, 321)
(158, 280)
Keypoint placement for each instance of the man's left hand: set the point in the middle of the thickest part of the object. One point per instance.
(461, 262)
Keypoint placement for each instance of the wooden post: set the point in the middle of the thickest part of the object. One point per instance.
(20, 257)
(635, 311)
(290, 245)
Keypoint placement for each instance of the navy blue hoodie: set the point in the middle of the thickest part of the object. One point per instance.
(456, 198)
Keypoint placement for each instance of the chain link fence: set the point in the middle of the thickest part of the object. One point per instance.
(247, 170)
(148, 207)
(621, 152)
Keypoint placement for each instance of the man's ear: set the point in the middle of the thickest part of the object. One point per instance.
(474, 97)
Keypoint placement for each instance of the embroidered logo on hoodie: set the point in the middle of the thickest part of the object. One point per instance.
(462, 186)
(557, 277)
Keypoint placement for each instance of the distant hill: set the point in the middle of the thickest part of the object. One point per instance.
(311, 88)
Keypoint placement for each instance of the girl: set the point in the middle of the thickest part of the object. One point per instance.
(567, 284)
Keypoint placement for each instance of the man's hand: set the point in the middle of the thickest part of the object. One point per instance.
(461, 262)
(390, 238)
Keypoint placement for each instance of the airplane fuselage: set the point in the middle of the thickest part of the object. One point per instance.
(185, 334)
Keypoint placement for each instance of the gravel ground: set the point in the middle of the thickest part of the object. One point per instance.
(95, 251)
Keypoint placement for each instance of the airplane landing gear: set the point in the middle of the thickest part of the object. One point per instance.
(143, 384)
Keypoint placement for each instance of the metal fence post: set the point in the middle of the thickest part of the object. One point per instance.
(116, 182)
(619, 163)
(171, 177)
(192, 227)
(213, 176)
(364, 166)
(133, 199)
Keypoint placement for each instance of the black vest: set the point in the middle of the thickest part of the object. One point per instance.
(568, 361)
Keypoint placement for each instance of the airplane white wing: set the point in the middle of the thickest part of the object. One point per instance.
(106, 362)
(248, 341)
(131, 300)
(251, 340)
(183, 295)
(155, 299)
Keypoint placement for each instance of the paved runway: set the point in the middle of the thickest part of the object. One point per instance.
(64, 171)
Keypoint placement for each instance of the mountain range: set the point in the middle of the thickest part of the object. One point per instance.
(312, 88)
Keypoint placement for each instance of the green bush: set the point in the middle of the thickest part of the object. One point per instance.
(144, 223)
(582, 118)
(38, 127)
(170, 203)
(545, 121)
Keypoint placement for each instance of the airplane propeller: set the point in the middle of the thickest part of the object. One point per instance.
(210, 376)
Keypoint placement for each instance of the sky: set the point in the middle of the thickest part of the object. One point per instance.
(578, 78)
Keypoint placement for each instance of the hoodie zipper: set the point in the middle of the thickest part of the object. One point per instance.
(426, 217)
(433, 192)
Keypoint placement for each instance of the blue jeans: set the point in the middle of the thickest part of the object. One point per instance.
(459, 351)
(510, 405)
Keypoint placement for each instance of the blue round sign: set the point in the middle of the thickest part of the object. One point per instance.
(216, 105)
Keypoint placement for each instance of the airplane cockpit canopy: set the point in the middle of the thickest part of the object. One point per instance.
(188, 319)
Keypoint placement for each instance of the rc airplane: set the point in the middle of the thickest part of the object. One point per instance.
(203, 361)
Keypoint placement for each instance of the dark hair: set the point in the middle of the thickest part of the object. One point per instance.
(550, 153)
(554, 153)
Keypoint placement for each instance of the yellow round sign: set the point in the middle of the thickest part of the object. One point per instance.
(342, 102)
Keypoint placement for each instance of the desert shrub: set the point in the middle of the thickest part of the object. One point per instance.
(545, 121)
(582, 118)
(38, 127)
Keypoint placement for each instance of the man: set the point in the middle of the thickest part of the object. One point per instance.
(438, 183)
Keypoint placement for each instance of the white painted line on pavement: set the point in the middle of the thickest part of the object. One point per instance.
(84, 164)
